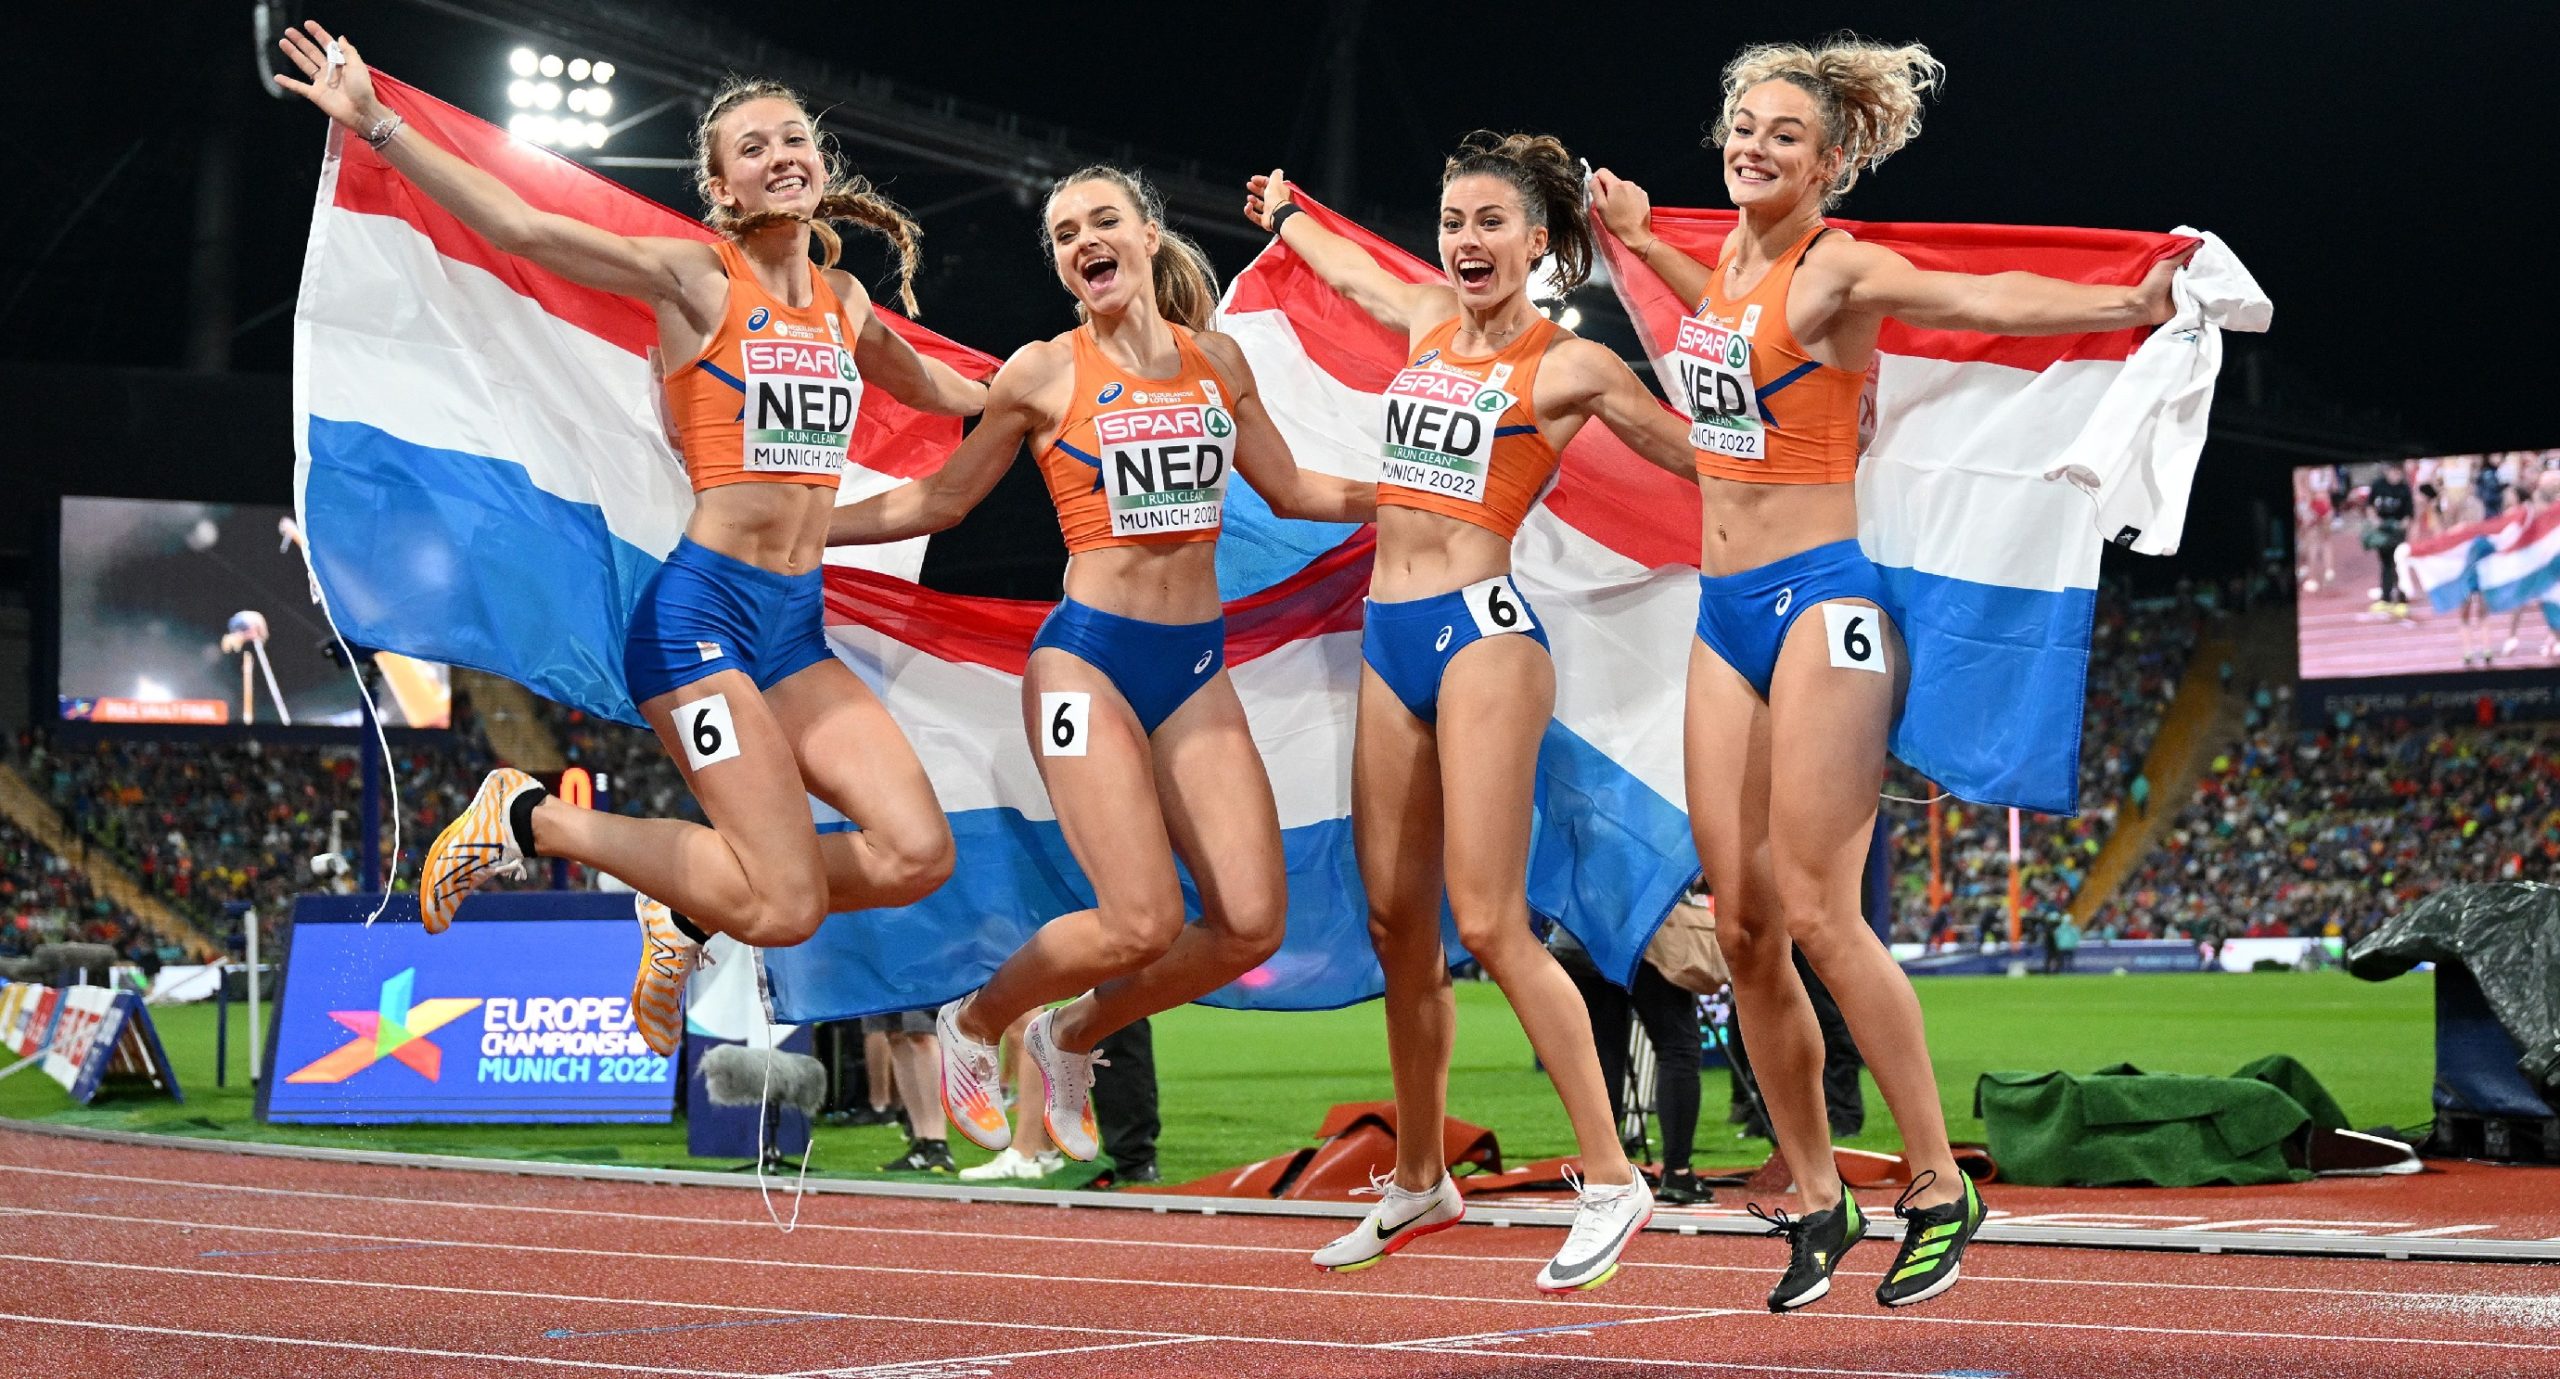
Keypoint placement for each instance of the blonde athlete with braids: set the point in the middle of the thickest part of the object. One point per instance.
(1789, 707)
(1458, 687)
(1136, 418)
(766, 354)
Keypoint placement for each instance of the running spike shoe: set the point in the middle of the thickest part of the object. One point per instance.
(668, 956)
(1400, 1218)
(1604, 1220)
(1066, 1083)
(972, 1080)
(479, 844)
(1815, 1244)
(922, 1156)
(1933, 1241)
(1013, 1165)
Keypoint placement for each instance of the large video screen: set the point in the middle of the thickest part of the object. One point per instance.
(200, 614)
(2425, 567)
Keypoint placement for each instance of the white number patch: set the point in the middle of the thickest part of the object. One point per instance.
(1062, 723)
(1856, 636)
(1497, 607)
(710, 734)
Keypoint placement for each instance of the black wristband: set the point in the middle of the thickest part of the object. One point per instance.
(1281, 216)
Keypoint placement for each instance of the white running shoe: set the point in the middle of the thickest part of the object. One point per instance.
(971, 1082)
(1014, 1165)
(1604, 1220)
(1400, 1219)
(1066, 1083)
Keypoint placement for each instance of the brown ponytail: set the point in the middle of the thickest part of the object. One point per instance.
(1186, 286)
(846, 196)
(1549, 181)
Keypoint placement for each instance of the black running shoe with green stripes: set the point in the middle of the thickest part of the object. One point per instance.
(1814, 1246)
(1933, 1241)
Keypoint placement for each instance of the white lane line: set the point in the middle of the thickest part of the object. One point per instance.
(179, 1270)
(923, 1367)
(758, 1223)
(138, 1328)
(1583, 1304)
(1332, 1294)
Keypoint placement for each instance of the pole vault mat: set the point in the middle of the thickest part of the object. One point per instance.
(129, 1255)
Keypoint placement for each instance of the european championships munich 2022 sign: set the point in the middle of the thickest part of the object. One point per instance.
(519, 1012)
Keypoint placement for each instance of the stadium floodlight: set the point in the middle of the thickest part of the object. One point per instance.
(540, 92)
(1571, 318)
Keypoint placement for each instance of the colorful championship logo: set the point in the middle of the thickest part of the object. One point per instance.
(396, 1028)
(757, 318)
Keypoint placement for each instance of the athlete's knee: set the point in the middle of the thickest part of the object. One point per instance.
(1494, 929)
(1404, 938)
(1251, 933)
(1137, 933)
(1753, 952)
(915, 859)
(778, 922)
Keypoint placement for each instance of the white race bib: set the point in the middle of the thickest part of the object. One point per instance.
(709, 731)
(1855, 635)
(1440, 427)
(1497, 607)
(1064, 718)
(1165, 468)
(802, 396)
(1712, 365)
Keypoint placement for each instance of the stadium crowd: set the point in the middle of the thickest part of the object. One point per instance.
(45, 898)
(2303, 830)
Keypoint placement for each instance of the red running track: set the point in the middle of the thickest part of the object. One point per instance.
(150, 1261)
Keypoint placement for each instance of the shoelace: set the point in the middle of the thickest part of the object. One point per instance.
(1902, 1208)
(1589, 1225)
(1799, 1241)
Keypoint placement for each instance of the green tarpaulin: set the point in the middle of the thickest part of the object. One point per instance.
(2121, 1126)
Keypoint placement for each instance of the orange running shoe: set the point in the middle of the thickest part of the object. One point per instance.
(971, 1082)
(1066, 1082)
(473, 848)
(667, 959)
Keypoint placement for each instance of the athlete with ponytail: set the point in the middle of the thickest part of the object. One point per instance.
(1458, 686)
(1789, 707)
(766, 354)
(1136, 418)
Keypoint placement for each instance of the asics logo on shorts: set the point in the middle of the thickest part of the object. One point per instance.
(1786, 600)
(1443, 643)
(1202, 665)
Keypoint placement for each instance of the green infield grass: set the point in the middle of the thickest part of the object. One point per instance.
(1237, 1087)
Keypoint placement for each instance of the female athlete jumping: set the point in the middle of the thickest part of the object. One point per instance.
(766, 355)
(1458, 686)
(1789, 707)
(1137, 417)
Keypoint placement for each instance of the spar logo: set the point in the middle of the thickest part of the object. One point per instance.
(396, 1028)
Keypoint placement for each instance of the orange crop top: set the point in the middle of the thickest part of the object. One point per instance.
(773, 396)
(1462, 434)
(1760, 411)
(1140, 461)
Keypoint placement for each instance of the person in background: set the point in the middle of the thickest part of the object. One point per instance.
(917, 1060)
(1124, 1103)
(2066, 942)
(2392, 504)
(1669, 1016)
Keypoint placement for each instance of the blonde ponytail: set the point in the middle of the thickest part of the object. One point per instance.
(1869, 95)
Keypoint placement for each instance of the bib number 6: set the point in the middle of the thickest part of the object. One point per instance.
(710, 734)
(1497, 607)
(1063, 719)
(1854, 631)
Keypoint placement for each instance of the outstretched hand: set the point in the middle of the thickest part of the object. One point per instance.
(1622, 206)
(2152, 295)
(1264, 195)
(337, 80)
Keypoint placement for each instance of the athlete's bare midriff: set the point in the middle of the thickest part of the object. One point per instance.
(1173, 583)
(777, 527)
(1421, 554)
(1747, 526)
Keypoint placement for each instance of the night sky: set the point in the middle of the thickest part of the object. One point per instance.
(2366, 162)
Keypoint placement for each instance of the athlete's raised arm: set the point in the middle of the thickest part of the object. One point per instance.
(884, 357)
(1345, 266)
(1263, 456)
(654, 270)
(1581, 377)
(1867, 279)
(1628, 212)
(1017, 405)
